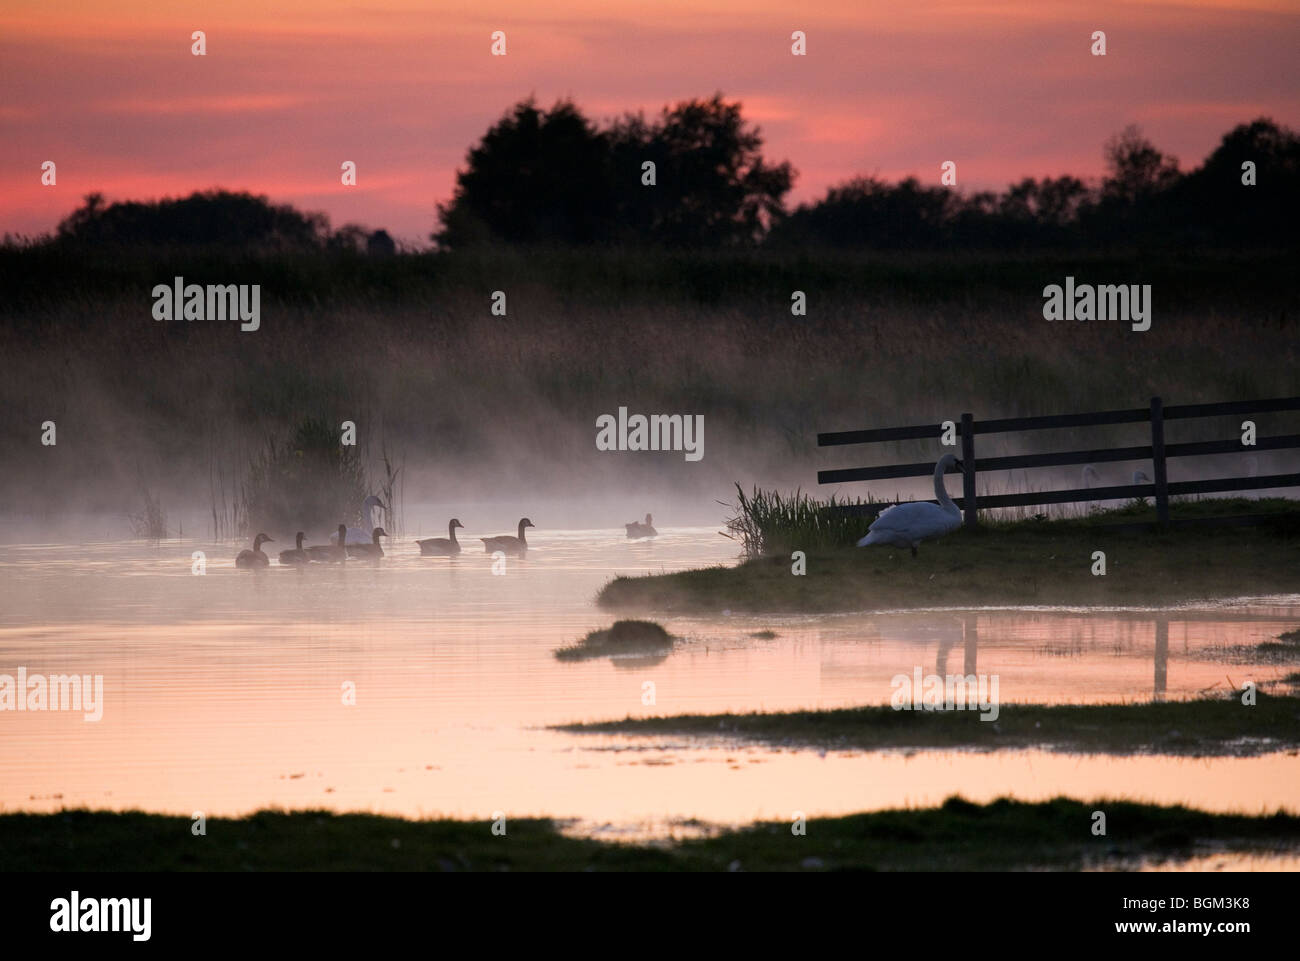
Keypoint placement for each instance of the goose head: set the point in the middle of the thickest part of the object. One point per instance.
(524, 522)
(454, 523)
(261, 539)
(377, 533)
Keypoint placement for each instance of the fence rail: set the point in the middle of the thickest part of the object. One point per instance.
(1158, 452)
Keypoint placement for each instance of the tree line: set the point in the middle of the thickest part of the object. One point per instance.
(694, 175)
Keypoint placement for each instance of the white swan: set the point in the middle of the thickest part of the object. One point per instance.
(906, 525)
(358, 535)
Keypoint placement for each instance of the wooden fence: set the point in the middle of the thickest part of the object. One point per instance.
(1157, 452)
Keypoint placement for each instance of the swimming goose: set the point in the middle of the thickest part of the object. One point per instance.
(368, 550)
(906, 525)
(635, 530)
(442, 546)
(329, 552)
(507, 544)
(256, 557)
(295, 556)
(361, 535)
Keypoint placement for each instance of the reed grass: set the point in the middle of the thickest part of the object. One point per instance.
(309, 481)
(769, 522)
(151, 522)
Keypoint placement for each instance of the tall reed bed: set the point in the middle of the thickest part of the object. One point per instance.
(769, 522)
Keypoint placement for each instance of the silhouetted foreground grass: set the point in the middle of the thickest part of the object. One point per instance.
(1028, 562)
(1002, 835)
(1200, 728)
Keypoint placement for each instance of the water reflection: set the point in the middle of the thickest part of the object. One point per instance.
(223, 692)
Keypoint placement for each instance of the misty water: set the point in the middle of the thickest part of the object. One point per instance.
(224, 693)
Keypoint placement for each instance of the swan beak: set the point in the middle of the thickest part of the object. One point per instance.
(960, 466)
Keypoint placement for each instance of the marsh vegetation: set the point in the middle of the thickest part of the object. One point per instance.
(955, 836)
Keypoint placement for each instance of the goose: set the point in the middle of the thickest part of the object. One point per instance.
(295, 556)
(507, 544)
(368, 550)
(635, 530)
(361, 535)
(256, 557)
(906, 525)
(442, 546)
(329, 552)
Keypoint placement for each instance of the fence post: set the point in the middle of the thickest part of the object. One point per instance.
(1158, 460)
(968, 468)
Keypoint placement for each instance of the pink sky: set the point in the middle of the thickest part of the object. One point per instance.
(289, 90)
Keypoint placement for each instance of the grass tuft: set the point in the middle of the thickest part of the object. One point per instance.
(624, 637)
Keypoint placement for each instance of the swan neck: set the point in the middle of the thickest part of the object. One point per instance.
(940, 491)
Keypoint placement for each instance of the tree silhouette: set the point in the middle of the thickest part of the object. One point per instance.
(713, 186)
(1222, 209)
(553, 177)
(1137, 171)
(536, 176)
(216, 218)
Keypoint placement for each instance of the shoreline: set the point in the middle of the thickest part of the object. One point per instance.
(1201, 728)
(1027, 563)
(956, 835)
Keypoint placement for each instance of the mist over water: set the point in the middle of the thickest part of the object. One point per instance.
(223, 691)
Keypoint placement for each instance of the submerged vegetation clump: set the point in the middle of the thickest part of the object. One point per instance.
(629, 637)
(1284, 650)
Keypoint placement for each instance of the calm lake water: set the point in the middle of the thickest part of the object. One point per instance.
(223, 693)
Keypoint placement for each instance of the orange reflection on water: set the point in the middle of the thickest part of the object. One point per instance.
(225, 693)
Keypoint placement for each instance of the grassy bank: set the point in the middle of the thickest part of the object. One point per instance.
(1027, 562)
(1002, 835)
(1201, 728)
